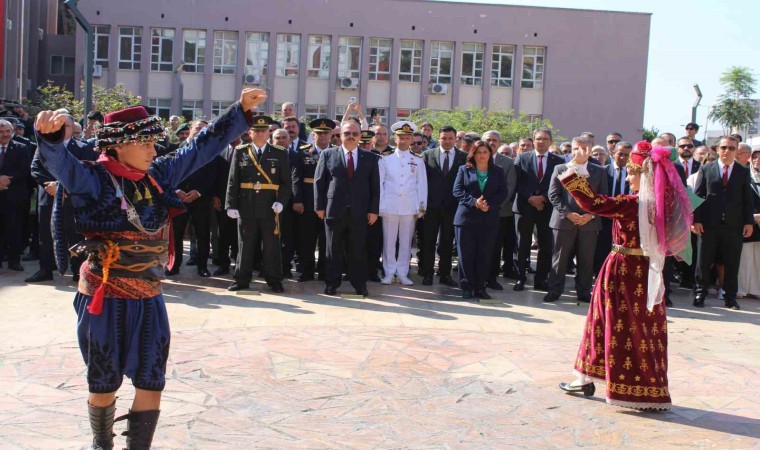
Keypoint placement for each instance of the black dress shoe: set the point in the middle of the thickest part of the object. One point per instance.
(482, 294)
(373, 278)
(467, 293)
(304, 278)
(40, 275)
(171, 272)
(191, 262)
(363, 292)
(448, 281)
(237, 286)
(427, 280)
(699, 302)
(668, 302)
(329, 290)
(16, 266)
(732, 304)
(75, 278)
(541, 286)
(520, 285)
(277, 288)
(587, 389)
(551, 297)
(203, 272)
(493, 284)
(222, 271)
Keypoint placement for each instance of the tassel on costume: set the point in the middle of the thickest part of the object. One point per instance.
(111, 256)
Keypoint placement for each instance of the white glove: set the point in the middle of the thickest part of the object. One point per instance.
(233, 213)
(277, 207)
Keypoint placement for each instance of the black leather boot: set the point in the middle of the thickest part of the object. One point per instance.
(101, 422)
(140, 428)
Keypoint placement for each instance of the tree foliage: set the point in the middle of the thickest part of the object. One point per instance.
(734, 110)
(648, 134)
(480, 120)
(51, 96)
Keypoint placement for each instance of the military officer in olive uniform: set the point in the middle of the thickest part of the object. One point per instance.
(258, 187)
(310, 227)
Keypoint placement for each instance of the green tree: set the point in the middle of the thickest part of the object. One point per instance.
(733, 110)
(648, 134)
(479, 120)
(51, 96)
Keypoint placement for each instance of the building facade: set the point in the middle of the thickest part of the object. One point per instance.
(37, 44)
(583, 70)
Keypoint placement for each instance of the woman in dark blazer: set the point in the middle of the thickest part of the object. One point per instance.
(480, 188)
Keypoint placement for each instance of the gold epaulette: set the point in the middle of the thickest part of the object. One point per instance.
(417, 155)
(242, 147)
(305, 147)
(277, 147)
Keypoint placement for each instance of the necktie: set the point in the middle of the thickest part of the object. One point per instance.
(258, 154)
(350, 165)
(540, 167)
(616, 188)
(686, 168)
(2, 155)
(725, 176)
(446, 166)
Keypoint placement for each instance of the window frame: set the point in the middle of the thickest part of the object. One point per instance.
(322, 70)
(196, 37)
(288, 55)
(313, 112)
(102, 43)
(378, 47)
(225, 52)
(437, 56)
(349, 57)
(414, 60)
(135, 56)
(498, 53)
(537, 69)
(196, 107)
(218, 106)
(158, 62)
(475, 49)
(159, 105)
(62, 62)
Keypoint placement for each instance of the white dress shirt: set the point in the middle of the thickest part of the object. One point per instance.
(443, 156)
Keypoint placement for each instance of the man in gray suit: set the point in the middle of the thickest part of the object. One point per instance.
(575, 231)
(506, 216)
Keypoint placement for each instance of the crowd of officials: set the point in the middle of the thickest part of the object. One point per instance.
(351, 200)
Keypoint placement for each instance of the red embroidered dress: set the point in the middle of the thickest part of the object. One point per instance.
(623, 343)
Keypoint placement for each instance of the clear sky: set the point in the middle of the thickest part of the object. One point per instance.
(690, 42)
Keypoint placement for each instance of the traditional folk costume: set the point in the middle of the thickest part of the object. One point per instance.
(625, 337)
(122, 326)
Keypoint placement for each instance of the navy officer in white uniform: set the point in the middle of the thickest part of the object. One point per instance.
(403, 198)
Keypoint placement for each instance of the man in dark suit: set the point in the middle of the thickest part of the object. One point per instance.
(347, 197)
(532, 208)
(14, 195)
(616, 185)
(259, 185)
(227, 245)
(723, 220)
(288, 223)
(47, 186)
(441, 166)
(506, 217)
(575, 230)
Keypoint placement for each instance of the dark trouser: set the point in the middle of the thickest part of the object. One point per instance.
(603, 244)
(312, 234)
(72, 237)
(11, 230)
(419, 238)
(198, 213)
(566, 244)
(289, 235)
(525, 225)
(510, 245)
(349, 233)
(439, 228)
(475, 248)
(502, 236)
(251, 231)
(227, 246)
(726, 240)
(374, 247)
(46, 254)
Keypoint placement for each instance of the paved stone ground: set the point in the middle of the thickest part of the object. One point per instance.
(407, 368)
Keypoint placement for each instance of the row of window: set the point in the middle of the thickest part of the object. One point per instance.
(319, 57)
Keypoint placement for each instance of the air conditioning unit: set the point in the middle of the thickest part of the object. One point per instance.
(252, 79)
(349, 83)
(439, 88)
(97, 71)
